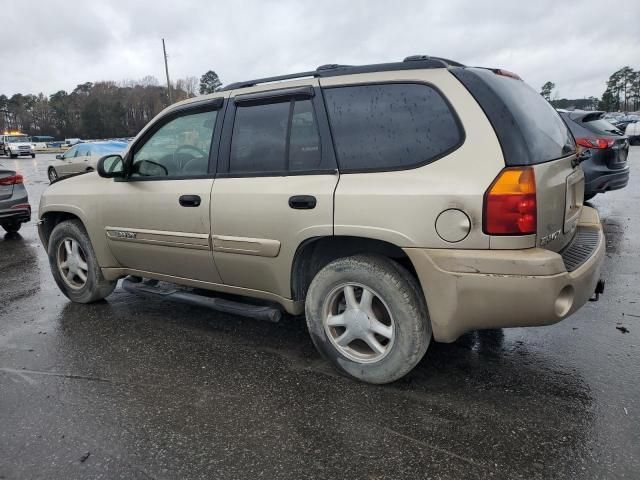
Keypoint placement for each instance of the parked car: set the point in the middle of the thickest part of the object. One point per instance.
(390, 203)
(622, 122)
(17, 145)
(602, 149)
(14, 201)
(633, 133)
(72, 141)
(82, 157)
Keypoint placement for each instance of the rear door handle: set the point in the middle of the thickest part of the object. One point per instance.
(190, 200)
(302, 202)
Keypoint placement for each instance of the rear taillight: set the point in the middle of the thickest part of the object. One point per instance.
(510, 203)
(13, 180)
(599, 143)
(506, 73)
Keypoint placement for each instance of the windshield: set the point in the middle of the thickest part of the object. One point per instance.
(107, 148)
(18, 139)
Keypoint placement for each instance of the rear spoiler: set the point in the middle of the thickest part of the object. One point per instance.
(586, 116)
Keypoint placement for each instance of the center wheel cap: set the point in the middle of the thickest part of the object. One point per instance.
(358, 321)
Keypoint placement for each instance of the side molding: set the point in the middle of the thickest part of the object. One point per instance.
(262, 247)
(197, 241)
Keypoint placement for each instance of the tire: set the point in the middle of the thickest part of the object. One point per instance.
(52, 174)
(398, 304)
(95, 287)
(589, 196)
(13, 155)
(33, 155)
(12, 227)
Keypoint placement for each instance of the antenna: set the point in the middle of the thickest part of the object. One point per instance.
(166, 69)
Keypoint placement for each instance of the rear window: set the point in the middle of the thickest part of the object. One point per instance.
(390, 126)
(528, 127)
(601, 126)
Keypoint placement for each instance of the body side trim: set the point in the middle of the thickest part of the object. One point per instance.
(262, 247)
(199, 241)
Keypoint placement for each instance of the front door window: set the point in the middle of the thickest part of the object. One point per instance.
(180, 148)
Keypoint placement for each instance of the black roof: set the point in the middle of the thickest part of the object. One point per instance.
(414, 62)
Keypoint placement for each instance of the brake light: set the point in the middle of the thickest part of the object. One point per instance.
(510, 203)
(599, 143)
(506, 73)
(13, 180)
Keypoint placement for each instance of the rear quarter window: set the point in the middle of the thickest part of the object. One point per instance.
(529, 129)
(390, 126)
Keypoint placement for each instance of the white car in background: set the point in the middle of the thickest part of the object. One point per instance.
(82, 158)
(633, 132)
(17, 145)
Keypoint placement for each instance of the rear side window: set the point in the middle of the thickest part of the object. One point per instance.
(528, 127)
(259, 139)
(275, 137)
(390, 126)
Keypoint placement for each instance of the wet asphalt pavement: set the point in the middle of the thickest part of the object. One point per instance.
(131, 389)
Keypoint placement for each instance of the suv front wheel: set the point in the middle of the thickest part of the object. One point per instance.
(368, 316)
(74, 264)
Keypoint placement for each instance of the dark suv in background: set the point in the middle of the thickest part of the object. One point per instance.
(14, 201)
(602, 149)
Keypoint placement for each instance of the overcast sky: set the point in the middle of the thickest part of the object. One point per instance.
(55, 45)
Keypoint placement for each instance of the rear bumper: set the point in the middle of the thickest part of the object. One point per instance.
(598, 181)
(21, 214)
(16, 208)
(477, 289)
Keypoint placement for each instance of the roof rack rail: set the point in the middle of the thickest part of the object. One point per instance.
(416, 58)
(414, 62)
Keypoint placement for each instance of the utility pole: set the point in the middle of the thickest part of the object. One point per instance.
(166, 69)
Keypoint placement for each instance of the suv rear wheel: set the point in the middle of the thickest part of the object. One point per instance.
(367, 315)
(74, 265)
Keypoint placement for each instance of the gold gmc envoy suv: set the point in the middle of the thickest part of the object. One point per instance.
(390, 204)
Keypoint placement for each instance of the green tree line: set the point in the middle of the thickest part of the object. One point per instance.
(97, 110)
(622, 93)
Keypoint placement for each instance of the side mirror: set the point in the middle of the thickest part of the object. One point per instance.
(59, 156)
(111, 166)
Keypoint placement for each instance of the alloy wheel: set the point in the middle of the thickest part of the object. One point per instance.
(358, 323)
(72, 263)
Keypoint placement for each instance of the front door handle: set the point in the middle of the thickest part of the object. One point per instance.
(302, 202)
(190, 200)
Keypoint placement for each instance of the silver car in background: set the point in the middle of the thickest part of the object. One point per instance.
(83, 157)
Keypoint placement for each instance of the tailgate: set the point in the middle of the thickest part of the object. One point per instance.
(6, 191)
(560, 194)
(620, 152)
